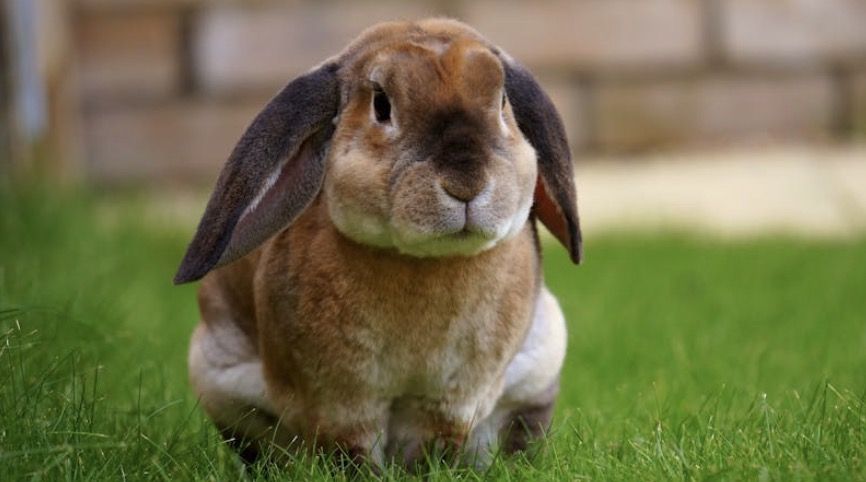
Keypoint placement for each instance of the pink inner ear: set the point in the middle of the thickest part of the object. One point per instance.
(549, 213)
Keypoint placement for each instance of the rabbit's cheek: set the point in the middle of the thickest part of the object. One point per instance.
(356, 198)
(492, 213)
(518, 191)
(428, 221)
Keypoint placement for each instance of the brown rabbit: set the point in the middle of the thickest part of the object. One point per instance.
(373, 269)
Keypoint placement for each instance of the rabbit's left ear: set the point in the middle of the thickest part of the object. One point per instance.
(272, 175)
(555, 195)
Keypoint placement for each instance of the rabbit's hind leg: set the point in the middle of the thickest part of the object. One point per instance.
(226, 373)
(532, 378)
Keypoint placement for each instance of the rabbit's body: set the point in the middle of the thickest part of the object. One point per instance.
(400, 352)
(403, 309)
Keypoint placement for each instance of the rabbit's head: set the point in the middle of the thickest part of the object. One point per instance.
(422, 138)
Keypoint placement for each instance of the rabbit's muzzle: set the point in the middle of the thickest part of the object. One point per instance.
(456, 214)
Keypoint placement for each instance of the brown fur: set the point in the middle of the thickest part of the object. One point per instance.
(402, 311)
(351, 289)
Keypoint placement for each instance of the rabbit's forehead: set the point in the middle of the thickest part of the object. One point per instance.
(465, 68)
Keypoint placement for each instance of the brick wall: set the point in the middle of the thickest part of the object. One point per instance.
(167, 87)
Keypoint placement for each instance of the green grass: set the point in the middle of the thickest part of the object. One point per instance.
(689, 358)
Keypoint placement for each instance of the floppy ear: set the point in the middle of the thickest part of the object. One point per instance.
(555, 197)
(272, 175)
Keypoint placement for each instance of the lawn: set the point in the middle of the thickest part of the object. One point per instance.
(689, 358)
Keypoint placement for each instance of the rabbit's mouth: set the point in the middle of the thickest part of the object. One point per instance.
(434, 223)
(462, 230)
(465, 242)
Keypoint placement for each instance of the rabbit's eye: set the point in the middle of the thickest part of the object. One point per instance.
(381, 106)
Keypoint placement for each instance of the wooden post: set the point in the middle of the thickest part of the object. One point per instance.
(6, 125)
(38, 103)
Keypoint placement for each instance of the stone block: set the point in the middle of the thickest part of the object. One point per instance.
(650, 114)
(592, 34)
(792, 31)
(128, 55)
(162, 144)
(129, 5)
(188, 141)
(239, 47)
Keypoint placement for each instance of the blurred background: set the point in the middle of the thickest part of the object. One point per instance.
(688, 354)
(734, 115)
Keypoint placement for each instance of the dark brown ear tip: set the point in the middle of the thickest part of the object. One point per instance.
(188, 273)
(182, 278)
(577, 255)
(576, 251)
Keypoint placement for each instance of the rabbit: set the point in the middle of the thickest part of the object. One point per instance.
(371, 264)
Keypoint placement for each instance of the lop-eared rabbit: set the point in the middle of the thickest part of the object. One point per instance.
(371, 262)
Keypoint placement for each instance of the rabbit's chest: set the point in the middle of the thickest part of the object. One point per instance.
(389, 326)
(432, 354)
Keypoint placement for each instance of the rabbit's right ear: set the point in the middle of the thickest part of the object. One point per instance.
(272, 175)
(555, 195)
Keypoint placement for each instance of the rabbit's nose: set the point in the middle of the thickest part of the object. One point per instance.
(464, 190)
